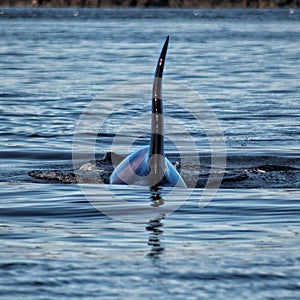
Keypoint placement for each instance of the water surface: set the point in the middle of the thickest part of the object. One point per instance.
(244, 244)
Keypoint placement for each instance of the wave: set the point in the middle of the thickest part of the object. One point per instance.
(260, 171)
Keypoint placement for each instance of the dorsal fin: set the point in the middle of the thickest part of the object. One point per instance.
(157, 122)
(148, 165)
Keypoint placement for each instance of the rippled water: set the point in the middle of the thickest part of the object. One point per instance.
(242, 64)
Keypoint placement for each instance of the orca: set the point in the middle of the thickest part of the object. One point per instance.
(149, 166)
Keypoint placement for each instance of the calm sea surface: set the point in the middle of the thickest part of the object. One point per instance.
(232, 92)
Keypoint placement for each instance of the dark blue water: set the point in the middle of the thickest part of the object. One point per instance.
(232, 84)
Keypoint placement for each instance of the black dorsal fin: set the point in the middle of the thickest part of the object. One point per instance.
(157, 123)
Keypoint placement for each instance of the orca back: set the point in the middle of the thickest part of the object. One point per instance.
(134, 170)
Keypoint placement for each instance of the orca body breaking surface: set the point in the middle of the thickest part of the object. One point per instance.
(148, 166)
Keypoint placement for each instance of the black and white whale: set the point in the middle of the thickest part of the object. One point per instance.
(149, 166)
